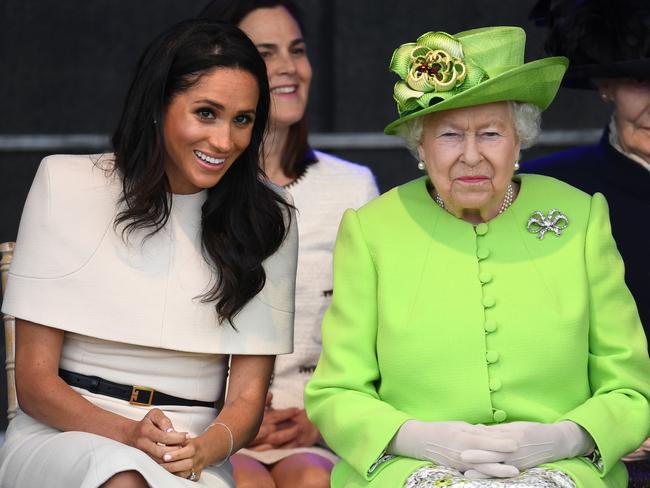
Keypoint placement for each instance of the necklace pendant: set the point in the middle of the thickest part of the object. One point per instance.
(508, 198)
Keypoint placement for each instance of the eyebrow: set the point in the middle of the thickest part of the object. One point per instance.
(207, 101)
(270, 45)
(218, 106)
(462, 126)
(495, 124)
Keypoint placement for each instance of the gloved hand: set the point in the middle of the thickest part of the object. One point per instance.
(538, 443)
(443, 443)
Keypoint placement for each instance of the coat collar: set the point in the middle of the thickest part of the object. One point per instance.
(620, 171)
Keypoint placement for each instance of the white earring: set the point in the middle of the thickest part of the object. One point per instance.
(517, 165)
(421, 165)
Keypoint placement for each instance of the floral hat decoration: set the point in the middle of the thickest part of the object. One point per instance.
(440, 71)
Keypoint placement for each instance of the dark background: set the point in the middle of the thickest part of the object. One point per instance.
(65, 67)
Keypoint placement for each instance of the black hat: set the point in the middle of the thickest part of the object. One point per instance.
(601, 38)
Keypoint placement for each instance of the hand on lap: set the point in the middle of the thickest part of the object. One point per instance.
(444, 443)
(277, 429)
(153, 434)
(307, 434)
(538, 443)
(189, 458)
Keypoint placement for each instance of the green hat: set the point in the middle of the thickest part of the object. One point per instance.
(440, 72)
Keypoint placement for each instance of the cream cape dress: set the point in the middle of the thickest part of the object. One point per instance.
(132, 314)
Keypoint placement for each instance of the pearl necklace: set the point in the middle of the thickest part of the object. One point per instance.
(507, 199)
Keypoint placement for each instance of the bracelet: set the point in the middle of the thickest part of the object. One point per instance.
(232, 441)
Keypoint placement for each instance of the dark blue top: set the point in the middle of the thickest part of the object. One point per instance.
(626, 185)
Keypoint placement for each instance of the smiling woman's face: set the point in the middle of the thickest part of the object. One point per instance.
(279, 40)
(469, 154)
(207, 127)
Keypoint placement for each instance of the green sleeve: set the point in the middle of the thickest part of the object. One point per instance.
(342, 398)
(618, 414)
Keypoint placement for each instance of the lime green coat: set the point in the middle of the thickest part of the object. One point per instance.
(435, 319)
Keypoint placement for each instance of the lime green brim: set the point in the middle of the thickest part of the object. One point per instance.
(536, 82)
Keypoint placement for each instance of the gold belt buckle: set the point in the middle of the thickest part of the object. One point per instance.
(134, 396)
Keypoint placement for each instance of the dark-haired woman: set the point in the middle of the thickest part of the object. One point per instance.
(287, 449)
(136, 274)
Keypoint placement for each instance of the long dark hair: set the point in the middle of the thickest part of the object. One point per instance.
(243, 220)
(296, 153)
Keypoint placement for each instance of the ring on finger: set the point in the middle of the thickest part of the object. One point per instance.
(192, 476)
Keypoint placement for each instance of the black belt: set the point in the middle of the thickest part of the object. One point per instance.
(135, 395)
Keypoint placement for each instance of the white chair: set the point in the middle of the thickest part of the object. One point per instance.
(7, 251)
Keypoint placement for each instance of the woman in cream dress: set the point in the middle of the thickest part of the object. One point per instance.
(138, 274)
(288, 451)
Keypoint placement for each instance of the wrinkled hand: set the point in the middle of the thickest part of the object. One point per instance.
(538, 443)
(444, 442)
(276, 430)
(153, 433)
(643, 452)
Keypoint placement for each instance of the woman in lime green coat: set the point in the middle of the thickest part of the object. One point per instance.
(481, 333)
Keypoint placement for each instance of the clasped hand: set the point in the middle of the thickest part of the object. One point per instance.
(538, 443)
(175, 451)
(445, 442)
(284, 428)
(497, 451)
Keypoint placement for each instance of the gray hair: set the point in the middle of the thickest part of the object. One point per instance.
(527, 119)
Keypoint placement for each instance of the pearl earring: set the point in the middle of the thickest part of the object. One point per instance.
(421, 165)
(604, 97)
(517, 165)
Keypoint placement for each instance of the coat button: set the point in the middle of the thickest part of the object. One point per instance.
(481, 229)
(495, 384)
(488, 301)
(499, 416)
(492, 356)
(485, 277)
(482, 252)
(490, 325)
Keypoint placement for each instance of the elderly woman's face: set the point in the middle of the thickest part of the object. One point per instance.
(470, 155)
(632, 99)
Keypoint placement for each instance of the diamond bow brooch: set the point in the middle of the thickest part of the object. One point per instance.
(540, 224)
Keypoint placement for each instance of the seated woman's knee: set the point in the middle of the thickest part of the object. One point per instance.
(254, 480)
(249, 473)
(312, 476)
(256, 483)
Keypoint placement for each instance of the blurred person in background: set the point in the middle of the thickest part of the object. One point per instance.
(608, 46)
(288, 451)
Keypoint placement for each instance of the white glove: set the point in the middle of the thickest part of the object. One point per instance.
(443, 443)
(538, 443)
